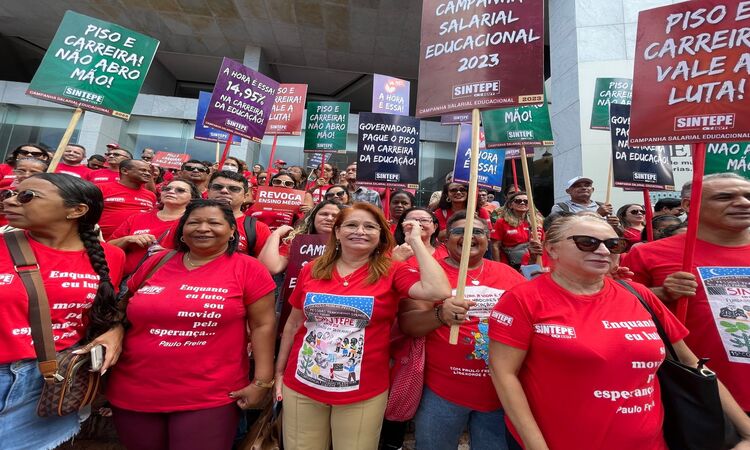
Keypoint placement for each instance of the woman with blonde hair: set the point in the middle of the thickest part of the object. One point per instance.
(511, 233)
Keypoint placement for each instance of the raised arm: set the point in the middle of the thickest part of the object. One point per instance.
(269, 256)
(433, 284)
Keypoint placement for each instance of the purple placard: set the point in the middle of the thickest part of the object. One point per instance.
(241, 101)
(455, 118)
(390, 95)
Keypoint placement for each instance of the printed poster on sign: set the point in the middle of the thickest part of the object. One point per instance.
(728, 157)
(637, 167)
(513, 127)
(327, 126)
(94, 65)
(491, 162)
(241, 101)
(271, 198)
(390, 95)
(607, 91)
(204, 133)
(692, 67)
(388, 150)
(330, 358)
(455, 118)
(485, 298)
(287, 110)
(471, 52)
(304, 248)
(728, 293)
(169, 160)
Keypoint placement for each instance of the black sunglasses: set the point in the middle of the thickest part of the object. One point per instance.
(459, 231)
(519, 201)
(457, 190)
(196, 169)
(178, 190)
(32, 154)
(590, 244)
(339, 194)
(217, 187)
(637, 212)
(115, 154)
(23, 197)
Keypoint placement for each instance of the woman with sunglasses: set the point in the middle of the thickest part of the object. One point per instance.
(454, 198)
(276, 218)
(333, 360)
(458, 390)
(511, 234)
(574, 354)
(299, 175)
(22, 151)
(58, 213)
(144, 234)
(633, 220)
(338, 193)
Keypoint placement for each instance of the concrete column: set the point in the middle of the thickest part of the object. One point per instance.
(98, 130)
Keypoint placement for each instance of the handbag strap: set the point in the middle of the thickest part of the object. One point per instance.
(27, 267)
(656, 321)
(153, 270)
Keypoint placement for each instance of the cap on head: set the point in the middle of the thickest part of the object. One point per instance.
(578, 179)
(113, 145)
(280, 162)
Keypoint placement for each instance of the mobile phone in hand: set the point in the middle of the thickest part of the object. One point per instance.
(97, 358)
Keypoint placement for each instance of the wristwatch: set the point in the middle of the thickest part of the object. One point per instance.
(264, 384)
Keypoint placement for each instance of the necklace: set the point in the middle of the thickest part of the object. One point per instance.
(190, 262)
(475, 281)
(348, 277)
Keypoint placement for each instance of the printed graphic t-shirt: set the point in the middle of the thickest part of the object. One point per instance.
(121, 202)
(340, 355)
(144, 223)
(590, 369)
(80, 171)
(188, 338)
(100, 176)
(70, 283)
(459, 373)
(652, 262)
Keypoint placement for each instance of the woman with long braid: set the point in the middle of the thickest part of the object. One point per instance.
(58, 213)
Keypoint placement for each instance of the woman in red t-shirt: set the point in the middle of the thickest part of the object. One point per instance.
(574, 354)
(429, 223)
(454, 198)
(316, 190)
(144, 234)
(58, 213)
(184, 367)
(22, 151)
(633, 220)
(333, 359)
(458, 388)
(510, 235)
(277, 218)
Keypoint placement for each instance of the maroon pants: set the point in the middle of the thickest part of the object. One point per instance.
(203, 429)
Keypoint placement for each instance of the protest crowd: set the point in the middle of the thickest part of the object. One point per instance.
(181, 272)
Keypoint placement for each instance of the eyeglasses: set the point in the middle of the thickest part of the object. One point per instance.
(590, 244)
(277, 182)
(459, 231)
(339, 194)
(262, 178)
(23, 197)
(196, 169)
(457, 190)
(32, 154)
(178, 190)
(353, 227)
(519, 201)
(423, 220)
(115, 154)
(218, 187)
(637, 212)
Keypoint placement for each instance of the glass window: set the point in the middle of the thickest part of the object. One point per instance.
(26, 124)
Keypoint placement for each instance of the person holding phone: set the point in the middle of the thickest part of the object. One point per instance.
(58, 213)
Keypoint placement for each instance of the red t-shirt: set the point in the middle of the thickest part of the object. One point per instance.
(144, 223)
(262, 232)
(459, 373)
(652, 262)
(633, 235)
(80, 171)
(6, 176)
(444, 214)
(340, 355)
(70, 283)
(100, 176)
(121, 202)
(508, 235)
(274, 219)
(187, 346)
(590, 369)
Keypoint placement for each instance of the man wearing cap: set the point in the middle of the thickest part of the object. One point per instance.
(114, 156)
(580, 190)
(71, 161)
(278, 166)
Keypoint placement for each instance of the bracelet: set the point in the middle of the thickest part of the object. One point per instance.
(439, 310)
(264, 384)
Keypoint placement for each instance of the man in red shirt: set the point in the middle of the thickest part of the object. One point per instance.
(126, 197)
(232, 188)
(197, 172)
(71, 161)
(115, 156)
(723, 241)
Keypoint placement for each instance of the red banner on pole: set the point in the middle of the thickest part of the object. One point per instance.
(287, 111)
(169, 160)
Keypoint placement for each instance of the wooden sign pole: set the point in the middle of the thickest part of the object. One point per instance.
(610, 175)
(530, 196)
(65, 139)
(471, 207)
(218, 153)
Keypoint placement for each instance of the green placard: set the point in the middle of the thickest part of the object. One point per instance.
(606, 91)
(94, 65)
(521, 126)
(728, 157)
(327, 126)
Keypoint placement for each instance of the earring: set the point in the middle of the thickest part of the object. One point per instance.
(338, 245)
(182, 238)
(68, 217)
(448, 199)
(231, 238)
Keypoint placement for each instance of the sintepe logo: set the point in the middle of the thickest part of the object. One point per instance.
(478, 89)
(705, 122)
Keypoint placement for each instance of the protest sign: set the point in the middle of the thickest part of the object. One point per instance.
(271, 198)
(490, 171)
(728, 157)
(204, 133)
(388, 150)
(692, 67)
(327, 126)
(455, 118)
(169, 160)
(471, 53)
(241, 101)
(287, 110)
(729, 298)
(304, 248)
(390, 95)
(637, 167)
(606, 91)
(519, 126)
(94, 65)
